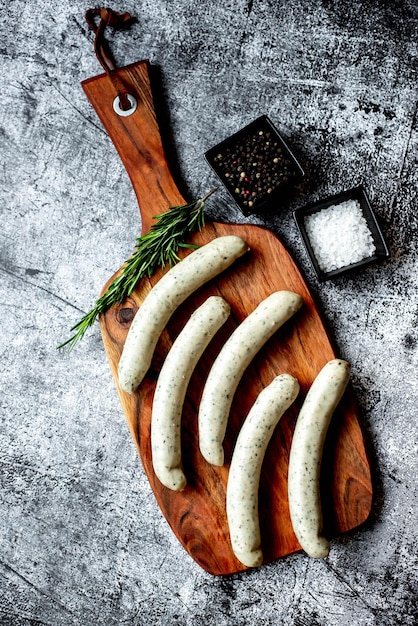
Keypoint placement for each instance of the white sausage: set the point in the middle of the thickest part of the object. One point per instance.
(161, 302)
(247, 459)
(228, 368)
(306, 455)
(172, 385)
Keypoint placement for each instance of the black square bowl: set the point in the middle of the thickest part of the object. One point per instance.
(359, 194)
(255, 165)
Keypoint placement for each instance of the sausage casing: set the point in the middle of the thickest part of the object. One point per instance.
(228, 368)
(170, 291)
(172, 385)
(306, 455)
(246, 463)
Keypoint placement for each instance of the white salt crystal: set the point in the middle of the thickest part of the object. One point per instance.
(339, 235)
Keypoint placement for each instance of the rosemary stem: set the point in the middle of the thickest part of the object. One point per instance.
(155, 249)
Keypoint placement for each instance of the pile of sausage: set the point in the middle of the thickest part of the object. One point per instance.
(243, 481)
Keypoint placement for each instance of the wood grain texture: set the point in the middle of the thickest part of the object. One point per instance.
(197, 515)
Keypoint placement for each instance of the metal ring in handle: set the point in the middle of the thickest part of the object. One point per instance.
(121, 112)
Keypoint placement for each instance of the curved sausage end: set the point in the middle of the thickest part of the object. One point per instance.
(173, 479)
(320, 550)
(250, 559)
(213, 456)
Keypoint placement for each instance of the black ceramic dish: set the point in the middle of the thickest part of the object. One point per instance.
(358, 193)
(255, 165)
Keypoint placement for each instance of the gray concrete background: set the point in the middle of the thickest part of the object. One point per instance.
(82, 540)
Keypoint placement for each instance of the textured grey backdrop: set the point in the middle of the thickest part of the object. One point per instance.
(82, 540)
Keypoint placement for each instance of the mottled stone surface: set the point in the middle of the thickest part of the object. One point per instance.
(82, 541)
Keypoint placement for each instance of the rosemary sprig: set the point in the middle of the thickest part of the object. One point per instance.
(155, 249)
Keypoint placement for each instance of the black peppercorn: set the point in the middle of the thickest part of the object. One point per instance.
(254, 163)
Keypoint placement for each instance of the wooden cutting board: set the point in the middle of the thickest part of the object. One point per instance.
(197, 515)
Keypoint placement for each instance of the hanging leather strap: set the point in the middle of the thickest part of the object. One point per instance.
(108, 17)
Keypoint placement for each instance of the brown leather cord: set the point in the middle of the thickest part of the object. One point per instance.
(108, 17)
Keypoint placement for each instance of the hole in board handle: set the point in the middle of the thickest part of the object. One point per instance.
(121, 112)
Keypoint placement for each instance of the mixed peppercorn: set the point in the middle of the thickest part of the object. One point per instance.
(252, 164)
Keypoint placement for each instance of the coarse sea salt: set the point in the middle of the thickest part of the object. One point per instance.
(339, 235)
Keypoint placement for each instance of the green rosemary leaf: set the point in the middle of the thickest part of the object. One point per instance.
(154, 250)
(192, 246)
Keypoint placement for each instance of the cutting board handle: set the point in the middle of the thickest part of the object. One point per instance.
(136, 137)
